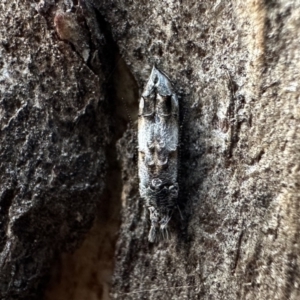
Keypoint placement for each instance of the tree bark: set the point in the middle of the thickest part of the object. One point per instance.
(69, 76)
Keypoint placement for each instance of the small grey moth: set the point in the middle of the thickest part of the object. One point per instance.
(158, 150)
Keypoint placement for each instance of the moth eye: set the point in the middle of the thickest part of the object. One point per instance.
(156, 182)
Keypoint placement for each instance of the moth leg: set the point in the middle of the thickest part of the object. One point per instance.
(165, 233)
(154, 217)
(164, 221)
(152, 234)
(162, 232)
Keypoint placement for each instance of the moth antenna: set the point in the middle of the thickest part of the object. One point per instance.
(181, 216)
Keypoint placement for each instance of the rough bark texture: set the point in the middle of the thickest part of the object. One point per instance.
(54, 135)
(235, 65)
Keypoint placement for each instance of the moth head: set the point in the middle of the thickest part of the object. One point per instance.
(156, 183)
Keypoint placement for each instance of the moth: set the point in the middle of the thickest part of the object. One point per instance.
(158, 131)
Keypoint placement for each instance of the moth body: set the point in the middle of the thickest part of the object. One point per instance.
(158, 150)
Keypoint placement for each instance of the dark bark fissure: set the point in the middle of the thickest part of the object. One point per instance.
(120, 106)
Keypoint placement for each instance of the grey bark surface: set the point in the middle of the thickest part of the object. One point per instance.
(235, 65)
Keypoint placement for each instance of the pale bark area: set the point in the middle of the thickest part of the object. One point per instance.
(236, 68)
